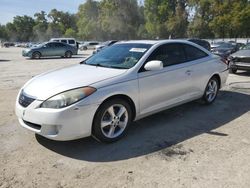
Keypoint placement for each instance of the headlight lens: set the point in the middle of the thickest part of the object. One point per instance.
(67, 98)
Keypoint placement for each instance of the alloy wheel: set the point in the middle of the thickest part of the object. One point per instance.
(114, 121)
(212, 89)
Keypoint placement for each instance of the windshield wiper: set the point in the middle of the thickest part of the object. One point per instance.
(83, 62)
(115, 67)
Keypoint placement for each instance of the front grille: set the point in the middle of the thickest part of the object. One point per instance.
(33, 125)
(25, 100)
(242, 59)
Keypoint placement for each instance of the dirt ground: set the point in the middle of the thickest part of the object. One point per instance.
(189, 146)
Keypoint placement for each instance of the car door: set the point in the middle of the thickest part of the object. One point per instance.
(201, 66)
(47, 49)
(166, 87)
(59, 49)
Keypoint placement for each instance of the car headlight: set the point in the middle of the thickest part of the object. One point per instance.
(67, 98)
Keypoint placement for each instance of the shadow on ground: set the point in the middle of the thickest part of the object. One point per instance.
(158, 131)
(51, 58)
(4, 60)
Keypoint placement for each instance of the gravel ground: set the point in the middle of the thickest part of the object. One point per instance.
(188, 146)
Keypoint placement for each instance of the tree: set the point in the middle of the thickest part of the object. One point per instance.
(41, 26)
(120, 19)
(87, 23)
(70, 33)
(177, 23)
(60, 22)
(3, 33)
(156, 15)
(199, 24)
(21, 28)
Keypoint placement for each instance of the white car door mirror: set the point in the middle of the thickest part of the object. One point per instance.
(154, 65)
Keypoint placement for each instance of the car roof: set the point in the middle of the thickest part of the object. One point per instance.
(62, 39)
(153, 42)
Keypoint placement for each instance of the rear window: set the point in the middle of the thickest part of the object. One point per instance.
(193, 53)
(71, 42)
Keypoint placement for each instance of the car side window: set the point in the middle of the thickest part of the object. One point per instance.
(64, 41)
(71, 42)
(169, 54)
(193, 53)
(50, 45)
(59, 45)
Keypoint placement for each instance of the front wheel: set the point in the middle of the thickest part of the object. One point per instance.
(211, 91)
(111, 120)
(36, 55)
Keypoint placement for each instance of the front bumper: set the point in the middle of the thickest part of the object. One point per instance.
(26, 54)
(69, 123)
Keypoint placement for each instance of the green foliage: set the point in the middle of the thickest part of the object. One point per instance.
(3, 32)
(88, 25)
(70, 33)
(119, 19)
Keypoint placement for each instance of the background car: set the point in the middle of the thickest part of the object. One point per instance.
(88, 45)
(205, 44)
(103, 45)
(223, 49)
(50, 49)
(70, 41)
(240, 60)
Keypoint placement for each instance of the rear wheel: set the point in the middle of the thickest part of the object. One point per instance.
(68, 54)
(36, 55)
(112, 120)
(211, 91)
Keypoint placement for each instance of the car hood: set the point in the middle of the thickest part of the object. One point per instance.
(51, 83)
(241, 53)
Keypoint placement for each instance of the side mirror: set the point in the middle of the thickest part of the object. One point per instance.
(154, 65)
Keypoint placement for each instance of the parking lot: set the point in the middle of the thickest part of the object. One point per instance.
(188, 146)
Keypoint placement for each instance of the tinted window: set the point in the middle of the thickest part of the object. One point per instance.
(71, 42)
(169, 54)
(93, 43)
(50, 45)
(64, 41)
(193, 53)
(59, 45)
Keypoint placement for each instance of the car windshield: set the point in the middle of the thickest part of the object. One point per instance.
(246, 47)
(226, 45)
(41, 44)
(120, 56)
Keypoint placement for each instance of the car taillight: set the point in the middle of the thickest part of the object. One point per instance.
(223, 60)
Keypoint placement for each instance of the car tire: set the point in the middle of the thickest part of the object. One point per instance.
(68, 54)
(36, 55)
(211, 90)
(233, 70)
(111, 120)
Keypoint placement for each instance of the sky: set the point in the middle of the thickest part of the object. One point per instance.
(11, 8)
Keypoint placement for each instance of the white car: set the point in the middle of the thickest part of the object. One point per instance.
(102, 95)
(70, 41)
(88, 45)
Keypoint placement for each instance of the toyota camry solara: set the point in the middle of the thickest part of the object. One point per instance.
(102, 95)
